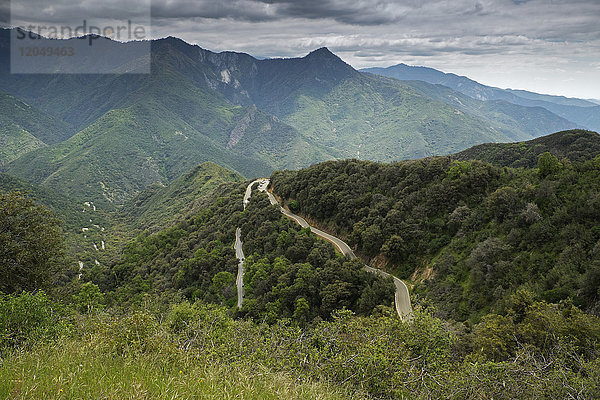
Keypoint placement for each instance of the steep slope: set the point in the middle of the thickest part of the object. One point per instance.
(246, 114)
(275, 84)
(67, 209)
(516, 121)
(347, 113)
(23, 128)
(582, 112)
(15, 141)
(352, 114)
(75, 98)
(158, 205)
(290, 272)
(338, 111)
(574, 145)
(469, 234)
(382, 120)
(123, 152)
(164, 127)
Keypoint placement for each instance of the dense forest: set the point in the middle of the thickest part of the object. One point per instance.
(290, 273)
(574, 145)
(503, 263)
(468, 233)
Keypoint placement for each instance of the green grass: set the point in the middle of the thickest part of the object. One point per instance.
(76, 370)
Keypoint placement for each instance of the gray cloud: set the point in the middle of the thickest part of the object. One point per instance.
(536, 44)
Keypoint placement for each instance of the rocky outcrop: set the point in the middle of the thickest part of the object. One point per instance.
(240, 129)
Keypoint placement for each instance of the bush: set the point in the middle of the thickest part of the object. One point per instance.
(28, 318)
(548, 164)
(131, 335)
(31, 244)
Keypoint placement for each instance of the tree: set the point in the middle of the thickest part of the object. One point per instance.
(302, 311)
(503, 202)
(547, 164)
(31, 244)
(394, 248)
(89, 298)
(372, 240)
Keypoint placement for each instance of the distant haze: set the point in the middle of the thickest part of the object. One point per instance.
(547, 46)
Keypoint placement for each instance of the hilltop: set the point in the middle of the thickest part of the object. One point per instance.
(469, 233)
(574, 145)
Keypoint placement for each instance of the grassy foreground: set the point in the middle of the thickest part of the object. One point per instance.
(77, 370)
(197, 351)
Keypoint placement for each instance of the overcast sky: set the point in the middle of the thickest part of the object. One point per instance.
(548, 46)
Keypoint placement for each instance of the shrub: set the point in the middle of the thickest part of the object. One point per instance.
(28, 318)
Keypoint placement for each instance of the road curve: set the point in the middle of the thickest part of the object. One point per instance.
(401, 297)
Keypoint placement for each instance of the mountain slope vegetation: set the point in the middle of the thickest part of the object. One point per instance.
(516, 121)
(158, 204)
(66, 208)
(170, 126)
(129, 328)
(468, 233)
(162, 124)
(573, 145)
(289, 272)
(347, 112)
(581, 112)
(252, 116)
(24, 128)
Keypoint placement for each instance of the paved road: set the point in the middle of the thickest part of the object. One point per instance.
(401, 297)
(249, 191)
(239, 253)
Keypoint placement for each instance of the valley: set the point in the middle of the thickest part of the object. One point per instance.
(249, 115)
(237, 226)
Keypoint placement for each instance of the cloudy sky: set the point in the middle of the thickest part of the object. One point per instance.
(548, 46)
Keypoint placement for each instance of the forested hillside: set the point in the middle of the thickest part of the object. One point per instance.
(106, 137)
(290, 273)
(23, 128)
(575, 145)
(123, 341)
(468, 233)
(158, 205)
(165, 128)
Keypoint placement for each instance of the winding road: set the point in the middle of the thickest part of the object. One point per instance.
(239, 252)
(401, 297)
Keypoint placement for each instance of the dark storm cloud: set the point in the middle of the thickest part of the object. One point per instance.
(359, 12)
(242, 10)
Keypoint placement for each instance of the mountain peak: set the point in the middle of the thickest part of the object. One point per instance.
(323, 58)
(322, 52)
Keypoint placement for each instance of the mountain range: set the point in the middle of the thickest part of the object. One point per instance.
(585, 113)
(106, 137)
